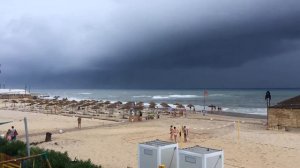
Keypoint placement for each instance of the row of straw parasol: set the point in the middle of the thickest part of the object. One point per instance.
(90, 104)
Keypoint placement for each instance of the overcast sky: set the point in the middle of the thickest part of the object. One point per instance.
(150, 44)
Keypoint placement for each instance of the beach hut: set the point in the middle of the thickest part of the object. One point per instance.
(152, 154)
(201, 157)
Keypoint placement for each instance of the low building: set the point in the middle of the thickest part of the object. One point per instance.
(285, 114)
(14, 94)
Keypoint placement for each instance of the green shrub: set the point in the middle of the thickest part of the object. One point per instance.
(57, 159)
(12, 148)
(81, 164)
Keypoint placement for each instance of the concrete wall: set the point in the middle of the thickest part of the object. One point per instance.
(278, 117)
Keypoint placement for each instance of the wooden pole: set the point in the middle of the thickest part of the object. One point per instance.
(181, 142)
(238, 131)
(27, 137)
(204, 99)
(27, 140)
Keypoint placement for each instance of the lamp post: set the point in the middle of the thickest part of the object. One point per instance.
(0, 73)
(268, 100)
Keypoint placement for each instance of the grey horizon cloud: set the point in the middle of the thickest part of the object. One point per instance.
(136, 44)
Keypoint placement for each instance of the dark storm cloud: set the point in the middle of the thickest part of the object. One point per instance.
(133, 44)
(226, 46)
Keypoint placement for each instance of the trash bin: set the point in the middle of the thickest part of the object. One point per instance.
(48, 137)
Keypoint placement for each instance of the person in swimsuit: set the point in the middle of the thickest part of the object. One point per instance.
(171, 132)
(175, 133)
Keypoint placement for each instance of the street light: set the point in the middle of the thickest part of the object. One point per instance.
(268, 100)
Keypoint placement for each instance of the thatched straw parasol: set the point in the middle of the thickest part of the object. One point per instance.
(180, 106)
(14, 102)
(138, 107)
(152, 105)
(165, 105)
(5, 101)
(190, 106)
(73, 105)
(176, 104)
(128, 105)
(95, 107)
(140, 103)
(106, 102)
(112, 105)
(212, 106)
(118, 103)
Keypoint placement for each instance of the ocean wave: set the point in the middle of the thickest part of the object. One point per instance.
(160, 97)
(217, 95)
(175, 96)
(85, 93)
(261, 111)
(183, 96)
(75, 98)
(141, 96)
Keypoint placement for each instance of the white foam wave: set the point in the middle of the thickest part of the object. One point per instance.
(74, 98)
(141, 96)
(217, 95)
(261, 111)
(85, 93)
(160, 97)
(174, 96)
(183, 96)
(12, 91)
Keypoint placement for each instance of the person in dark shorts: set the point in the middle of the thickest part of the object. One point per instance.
(175, 133)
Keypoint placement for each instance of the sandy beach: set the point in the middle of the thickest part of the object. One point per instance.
(114, 144)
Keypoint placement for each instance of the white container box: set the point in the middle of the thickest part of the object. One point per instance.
(201, 157)
(154, 153)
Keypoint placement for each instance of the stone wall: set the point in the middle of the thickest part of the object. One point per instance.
(278, 117)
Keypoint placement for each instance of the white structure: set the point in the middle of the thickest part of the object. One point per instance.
(154, 153)
(12, 91)
(200, 157)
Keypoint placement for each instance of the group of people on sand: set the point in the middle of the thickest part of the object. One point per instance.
(11, 134)
(174, 132)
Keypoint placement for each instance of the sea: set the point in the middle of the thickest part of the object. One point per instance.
(250, 101)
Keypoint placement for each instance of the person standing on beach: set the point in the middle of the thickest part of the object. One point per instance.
(185, 133)
(171, 132)
(13, 133)
(8, 135)
(79, 122)
(175, 133)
